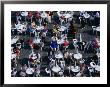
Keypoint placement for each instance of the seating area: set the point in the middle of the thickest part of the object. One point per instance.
(55, 44)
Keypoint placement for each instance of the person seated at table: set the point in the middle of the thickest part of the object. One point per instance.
(18, 16)
(30, 31)
(83, 45)
(87, 61)
(96, 46)
(83, 22)
(13, 62)
(31, 59)
(33, 25)
(91, 71)
(67, 59)
(91, 20)
(13, 31)
(24, 28)
(66, 54)
(41, 45)
(37, 60)
(17, 51)
(43, 36)
(22, 40)
(37, 72)
(54, 38)
(35, 46)
(95, 58)
(52, 63)
(51, 14)
(37, 17)
(54, 45)
(62, 63)
(45, 30)
(66, 73)
(29, 17)
(24, 67)
(18, 45)
(38, 56)
(97, 19)
(86, 72)
(13, 16)
(56, 18)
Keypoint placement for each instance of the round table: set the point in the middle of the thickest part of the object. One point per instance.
(78, 56)
(56, 69)
(59, 55)
(29, 71)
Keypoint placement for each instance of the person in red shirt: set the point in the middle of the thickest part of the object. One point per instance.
(17, 52)
(37, 18)
(30, 43)
(66, 43)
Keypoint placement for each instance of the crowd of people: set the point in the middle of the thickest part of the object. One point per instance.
(54, 49)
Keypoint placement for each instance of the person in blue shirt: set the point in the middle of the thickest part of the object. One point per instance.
(54, 45)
